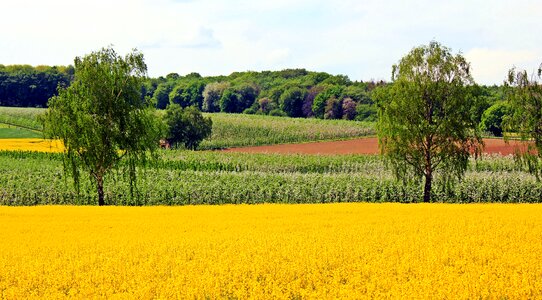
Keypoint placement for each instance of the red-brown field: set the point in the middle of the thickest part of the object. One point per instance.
(363, 146)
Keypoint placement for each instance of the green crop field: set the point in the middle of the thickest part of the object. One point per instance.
(15, 132)
(184, 177)
(25, 117)
(215, 177)
(235, 130)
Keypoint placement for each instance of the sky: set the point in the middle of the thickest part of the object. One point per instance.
(358, 38)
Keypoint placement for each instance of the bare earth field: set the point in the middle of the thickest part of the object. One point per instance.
(363, 146)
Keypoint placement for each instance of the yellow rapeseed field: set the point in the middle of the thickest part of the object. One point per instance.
(324, 251)
(39, 145)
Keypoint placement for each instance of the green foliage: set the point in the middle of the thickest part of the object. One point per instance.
(247, 94)
(101, 118)
(229, 102)
(249, 111)
(492, 118)
(333, 109)
(188, 93)
(212, 94)
(277, 113)
(186, 126)
(291, 102)
(424, 123)
(161, 95)
(320, 101)
(525, 98)
(23, 85)
(366, 112)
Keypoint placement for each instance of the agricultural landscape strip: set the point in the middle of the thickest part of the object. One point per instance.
(201, 177)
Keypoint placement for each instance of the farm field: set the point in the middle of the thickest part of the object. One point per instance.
(201, 177)
(364, 146)
(434, 251)
(8, 132)
(235, 130)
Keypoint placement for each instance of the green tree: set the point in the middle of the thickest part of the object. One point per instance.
(320, 101)
(186, 126)
(229, 101)
(161, 95)
(188, 93)
(493, 116)
(424, 124)
(525, 98)
(212, 94)
(101, 118)
(291, 101)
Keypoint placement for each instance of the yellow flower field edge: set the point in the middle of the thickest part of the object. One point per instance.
(37, 145)
(356, 251)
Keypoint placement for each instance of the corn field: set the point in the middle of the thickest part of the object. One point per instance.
(184, 177)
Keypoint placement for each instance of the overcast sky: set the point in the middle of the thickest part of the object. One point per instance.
(358, 38)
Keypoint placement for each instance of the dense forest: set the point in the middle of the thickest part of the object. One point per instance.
(27, 86)
(290, 92)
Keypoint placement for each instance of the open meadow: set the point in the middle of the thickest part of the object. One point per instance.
(320, 251)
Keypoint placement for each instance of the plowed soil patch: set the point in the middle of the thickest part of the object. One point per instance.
(364, 146)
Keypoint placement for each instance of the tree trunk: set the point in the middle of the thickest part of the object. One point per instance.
(427, 188)
(100, 184)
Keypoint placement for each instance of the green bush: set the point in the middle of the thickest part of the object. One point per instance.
(277, 113)
(186, 126)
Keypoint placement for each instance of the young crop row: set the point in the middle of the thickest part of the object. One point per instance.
(276, 163)
(30, 181)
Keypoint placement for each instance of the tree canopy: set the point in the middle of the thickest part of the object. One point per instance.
(23, 85)
(424, 122)
(525, 98)
(101, 117)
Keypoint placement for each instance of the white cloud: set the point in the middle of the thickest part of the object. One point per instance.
(490, 66)
(359, 38)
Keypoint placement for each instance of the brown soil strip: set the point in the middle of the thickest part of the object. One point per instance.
(364, 146)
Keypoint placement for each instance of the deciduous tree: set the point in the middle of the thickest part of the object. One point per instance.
(101, 118)
(525, 98)
(424, 124)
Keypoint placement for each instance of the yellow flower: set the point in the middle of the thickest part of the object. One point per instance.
(319, 251)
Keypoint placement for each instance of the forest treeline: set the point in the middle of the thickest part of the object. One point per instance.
(27, 86)
(289, 92)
